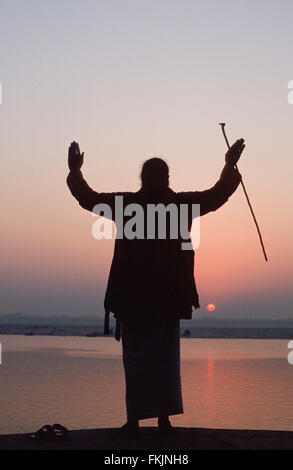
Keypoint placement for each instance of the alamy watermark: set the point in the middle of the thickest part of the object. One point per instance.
(151, 221)
(290, 95)
(290, 355)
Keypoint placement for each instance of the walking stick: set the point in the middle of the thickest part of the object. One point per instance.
(222, 124)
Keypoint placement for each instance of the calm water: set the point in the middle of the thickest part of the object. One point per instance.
(79, 382)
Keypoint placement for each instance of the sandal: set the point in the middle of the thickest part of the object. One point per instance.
(50, 433)
(46, 432)
(60, 431)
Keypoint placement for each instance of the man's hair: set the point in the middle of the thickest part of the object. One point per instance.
(155, 174)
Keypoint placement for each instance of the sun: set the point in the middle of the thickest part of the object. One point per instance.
(211, 307)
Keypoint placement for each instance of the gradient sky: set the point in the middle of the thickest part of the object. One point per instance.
(130, 79)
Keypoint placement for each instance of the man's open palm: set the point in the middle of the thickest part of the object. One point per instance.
(75, 158)
(234, 152)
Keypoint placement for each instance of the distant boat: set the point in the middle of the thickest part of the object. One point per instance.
(92, 335)
(29, 333)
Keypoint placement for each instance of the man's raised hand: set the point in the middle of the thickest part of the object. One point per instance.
(75, 158)
(234, 152)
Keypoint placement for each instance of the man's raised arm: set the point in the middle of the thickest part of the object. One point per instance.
(79, 188)
(213, 198)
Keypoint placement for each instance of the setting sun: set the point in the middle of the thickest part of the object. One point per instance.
(211, 307)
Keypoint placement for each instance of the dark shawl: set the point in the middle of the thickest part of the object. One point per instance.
(153, 278)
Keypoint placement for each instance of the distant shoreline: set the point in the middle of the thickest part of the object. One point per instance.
(185, 332)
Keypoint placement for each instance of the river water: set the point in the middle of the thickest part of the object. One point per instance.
(79, 382)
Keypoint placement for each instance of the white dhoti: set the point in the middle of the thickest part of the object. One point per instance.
(151, 358)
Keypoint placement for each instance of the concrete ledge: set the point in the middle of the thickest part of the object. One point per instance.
(149, 439)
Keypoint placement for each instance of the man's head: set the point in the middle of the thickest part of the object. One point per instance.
(155, 174)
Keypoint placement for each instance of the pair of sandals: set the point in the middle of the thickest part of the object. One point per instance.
(56, 432)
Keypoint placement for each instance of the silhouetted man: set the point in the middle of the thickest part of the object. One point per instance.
(151, 283)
